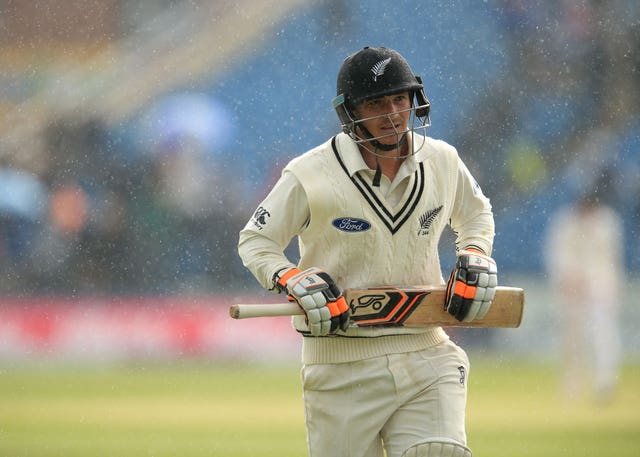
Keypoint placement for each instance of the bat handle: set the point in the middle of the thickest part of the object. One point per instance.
(243, 311)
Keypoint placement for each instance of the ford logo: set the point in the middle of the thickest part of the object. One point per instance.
(351, 224)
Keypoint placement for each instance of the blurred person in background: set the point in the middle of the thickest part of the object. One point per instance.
(23, 199)
(584, 257)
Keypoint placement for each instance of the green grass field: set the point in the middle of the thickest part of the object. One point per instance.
(233, 411)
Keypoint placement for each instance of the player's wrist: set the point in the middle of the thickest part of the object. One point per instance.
(281, 277)
(472, 249)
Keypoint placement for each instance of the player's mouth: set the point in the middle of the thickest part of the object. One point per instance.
(391, 129)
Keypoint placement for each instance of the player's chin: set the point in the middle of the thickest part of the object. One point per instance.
(390, 138)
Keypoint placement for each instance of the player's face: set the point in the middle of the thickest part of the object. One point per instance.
(386, 117)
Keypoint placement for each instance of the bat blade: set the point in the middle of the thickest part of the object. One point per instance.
(410, 306)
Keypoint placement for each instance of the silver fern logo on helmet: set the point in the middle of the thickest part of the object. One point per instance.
(378, 68)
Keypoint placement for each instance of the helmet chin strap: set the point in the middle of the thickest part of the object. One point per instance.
(382, 147)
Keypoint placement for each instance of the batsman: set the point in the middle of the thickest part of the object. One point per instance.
(368, 208)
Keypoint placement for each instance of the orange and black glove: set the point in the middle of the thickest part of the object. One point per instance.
(318, 295)
(471, 286)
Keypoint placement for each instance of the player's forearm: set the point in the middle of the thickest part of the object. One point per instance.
(262, 257)
(478, 233)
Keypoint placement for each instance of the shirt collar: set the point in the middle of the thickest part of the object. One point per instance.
(352, 159)
(350, 154)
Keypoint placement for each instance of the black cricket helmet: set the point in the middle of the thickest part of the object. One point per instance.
(372, 73)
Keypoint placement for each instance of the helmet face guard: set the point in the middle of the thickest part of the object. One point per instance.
(373, 73)
(418, 121)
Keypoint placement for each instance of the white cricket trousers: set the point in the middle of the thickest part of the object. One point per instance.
(356, 409)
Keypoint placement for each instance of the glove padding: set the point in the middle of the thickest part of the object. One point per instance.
(471, 286)
(319, 297)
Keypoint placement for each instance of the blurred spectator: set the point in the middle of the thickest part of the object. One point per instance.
(194, 192)
(23, 199)
(584, 254)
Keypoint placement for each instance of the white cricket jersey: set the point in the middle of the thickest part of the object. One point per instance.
(366, 236)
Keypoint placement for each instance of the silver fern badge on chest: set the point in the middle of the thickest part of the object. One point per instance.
(426, 220)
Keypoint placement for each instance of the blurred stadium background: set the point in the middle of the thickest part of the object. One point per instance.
(137, 136)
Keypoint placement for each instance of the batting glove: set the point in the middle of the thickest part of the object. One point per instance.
(319, 297)
(471, 286)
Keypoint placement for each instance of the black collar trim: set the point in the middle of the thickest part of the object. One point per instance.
(393, 221)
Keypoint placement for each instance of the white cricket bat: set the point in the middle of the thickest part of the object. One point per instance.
(408, 306)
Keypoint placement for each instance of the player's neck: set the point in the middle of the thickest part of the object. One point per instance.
(388, 161)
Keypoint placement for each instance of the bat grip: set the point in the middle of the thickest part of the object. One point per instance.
(243, 311)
